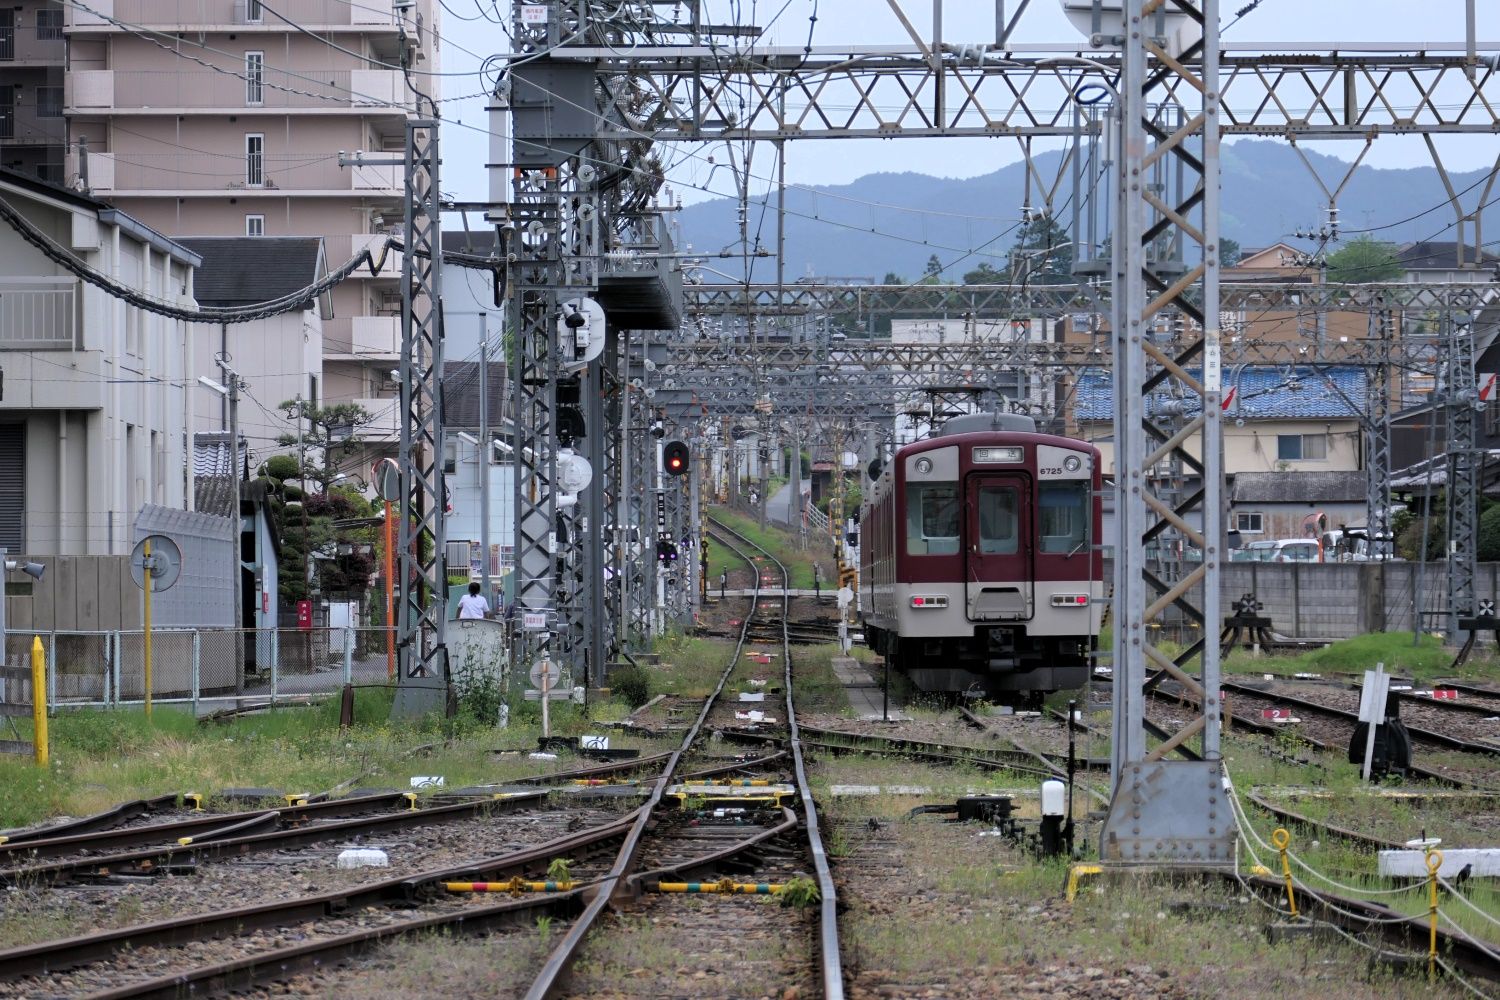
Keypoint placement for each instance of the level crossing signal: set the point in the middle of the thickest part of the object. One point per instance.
(674, 457)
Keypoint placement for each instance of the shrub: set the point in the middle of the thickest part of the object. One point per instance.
(631, 683)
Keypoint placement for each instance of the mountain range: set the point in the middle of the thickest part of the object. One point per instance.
(892, 223)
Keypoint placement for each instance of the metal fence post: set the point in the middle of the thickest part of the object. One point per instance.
(349, 636)
(118, 650)
(52, 671)
(197, 667)
(275, 661)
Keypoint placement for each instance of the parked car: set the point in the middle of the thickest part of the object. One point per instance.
(1306, 550)
(1354, 544)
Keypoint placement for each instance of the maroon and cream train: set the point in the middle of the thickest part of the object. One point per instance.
(979, 559)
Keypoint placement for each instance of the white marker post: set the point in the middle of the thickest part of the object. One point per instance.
(1372, 697)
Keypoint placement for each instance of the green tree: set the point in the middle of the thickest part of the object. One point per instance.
(934, 266)
(1229, 252)
(1364, 260)
(327, 433)
(892, 278)
(984, 274)
(1042, 253)
(1489, 535)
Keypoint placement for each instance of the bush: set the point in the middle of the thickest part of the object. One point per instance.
(281, 467)
(1489, 535)
(631, 683)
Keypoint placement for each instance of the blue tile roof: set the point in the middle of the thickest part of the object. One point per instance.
(1264, 392)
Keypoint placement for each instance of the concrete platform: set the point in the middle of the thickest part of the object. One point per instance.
(863, 690)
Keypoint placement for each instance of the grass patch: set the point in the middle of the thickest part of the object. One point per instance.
(1427, 658)
(100, 759)
(690, 666)
(783, 544)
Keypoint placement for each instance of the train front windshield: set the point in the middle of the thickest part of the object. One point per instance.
(1065, 511)
(932, 516)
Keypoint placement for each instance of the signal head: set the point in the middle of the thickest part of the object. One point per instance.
(675, 458)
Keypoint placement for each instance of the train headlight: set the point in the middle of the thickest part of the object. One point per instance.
(924, 465)
(1072, 463)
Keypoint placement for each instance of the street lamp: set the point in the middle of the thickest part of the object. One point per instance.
(31, 569)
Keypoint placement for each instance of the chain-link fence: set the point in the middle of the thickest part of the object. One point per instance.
(211, 669)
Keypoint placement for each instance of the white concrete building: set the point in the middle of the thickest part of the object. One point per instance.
(280, 357)
(97, 410)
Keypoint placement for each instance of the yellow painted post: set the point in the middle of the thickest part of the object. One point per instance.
(1281, 839)
(1434, 862)
(39, 700)
(146, 551)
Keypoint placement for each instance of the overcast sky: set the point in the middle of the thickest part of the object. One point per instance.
(842, 22)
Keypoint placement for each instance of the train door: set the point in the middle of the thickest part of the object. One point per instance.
(998, 554)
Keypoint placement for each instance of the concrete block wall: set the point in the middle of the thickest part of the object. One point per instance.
(1340, 600)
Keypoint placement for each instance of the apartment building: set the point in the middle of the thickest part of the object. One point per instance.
(33, 132)
(98, 394)
(221, 118)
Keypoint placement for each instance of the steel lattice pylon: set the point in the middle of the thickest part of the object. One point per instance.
(422, 604)
(1378, 432)
(1461, 395)
(1166, 811)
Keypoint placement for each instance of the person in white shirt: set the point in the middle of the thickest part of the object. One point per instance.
(473, 604)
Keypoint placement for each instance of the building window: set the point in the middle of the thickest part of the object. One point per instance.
(49, 102)
(1250, 523)
(253, 12)
(255, 159)
(255, 73)
(49, 24)
(7, 35)
(7, 112)
(1301, 447)
(255, 225)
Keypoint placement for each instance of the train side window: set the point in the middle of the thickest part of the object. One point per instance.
(1064, 516)
(998, 520)
(932, 514)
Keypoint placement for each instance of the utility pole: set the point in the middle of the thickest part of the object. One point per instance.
(486, 452)
(1166, 812)
(423, 684)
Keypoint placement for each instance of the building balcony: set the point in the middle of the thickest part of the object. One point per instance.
(244, 14)
(39, 314)
(30, 46)
(276, 174)
(374, 339)
(382, 423)
(367, 91)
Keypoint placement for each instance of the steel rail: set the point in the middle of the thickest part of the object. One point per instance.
(108, 819)
(828, 927)
(1343, 833)
(1261, 729)
(1359, 916)
(1417, 735)
(548, 980)
(65, 953)
(253, 843)
(214, 826)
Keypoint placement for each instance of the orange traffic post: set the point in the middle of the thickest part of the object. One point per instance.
(39, 700)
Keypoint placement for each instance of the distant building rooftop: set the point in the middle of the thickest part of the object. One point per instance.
(1430, 255)
(245, 270)
(1261, 392)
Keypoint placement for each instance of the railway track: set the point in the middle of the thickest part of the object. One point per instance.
(241, 947)
(730, 853)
